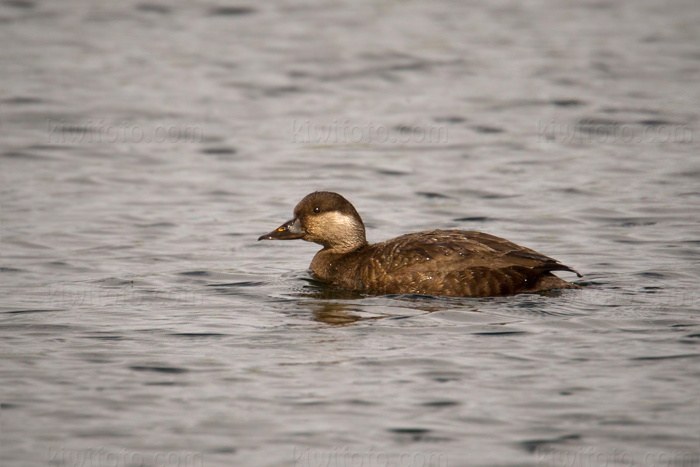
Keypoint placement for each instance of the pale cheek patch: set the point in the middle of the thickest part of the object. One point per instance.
(336, 219)
(333, 227)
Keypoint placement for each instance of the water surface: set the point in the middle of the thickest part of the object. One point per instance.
(146, 146)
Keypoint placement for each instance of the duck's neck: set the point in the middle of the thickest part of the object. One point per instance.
(348, 245)
(328, 263)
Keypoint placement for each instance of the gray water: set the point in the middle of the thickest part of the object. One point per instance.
(146, 145)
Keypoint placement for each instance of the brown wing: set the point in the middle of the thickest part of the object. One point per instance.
(457, 262)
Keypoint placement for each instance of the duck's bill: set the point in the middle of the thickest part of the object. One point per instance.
(290, 230)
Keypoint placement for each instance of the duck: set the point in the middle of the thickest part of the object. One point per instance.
(454, 263)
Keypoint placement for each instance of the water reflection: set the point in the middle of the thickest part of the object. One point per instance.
(335, 313)
(329, 305)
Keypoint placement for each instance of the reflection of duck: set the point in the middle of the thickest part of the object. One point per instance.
(456, 263)
(334, 313)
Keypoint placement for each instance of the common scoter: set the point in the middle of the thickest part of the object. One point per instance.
(455, 263)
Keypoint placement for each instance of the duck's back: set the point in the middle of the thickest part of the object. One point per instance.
(446, 262)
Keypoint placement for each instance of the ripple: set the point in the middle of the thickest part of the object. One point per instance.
(392, 173)
(452, 119)
(658, 122)
(499, 333)
(486, 129)
(160, 369)
(153, 8)
(20, 4)
(432, 195)
(568, 102)
(411, 434)
(8, 269)
(439, 404)
(198, 335)
(198, 273)
(231, 11)
(166, 383)
(666, 357)
(416, 435)
(30, 311)
(473, 219)
(238, 284)
(26, 156)
(8, 406)
(22, 100)
(220, 151)
(105, 337)
(532, 446)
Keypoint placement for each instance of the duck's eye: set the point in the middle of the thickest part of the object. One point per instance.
(317, 209)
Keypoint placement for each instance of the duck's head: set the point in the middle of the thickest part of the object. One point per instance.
(325, 218)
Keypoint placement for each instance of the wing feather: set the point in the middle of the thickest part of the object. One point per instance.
(478, 263)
